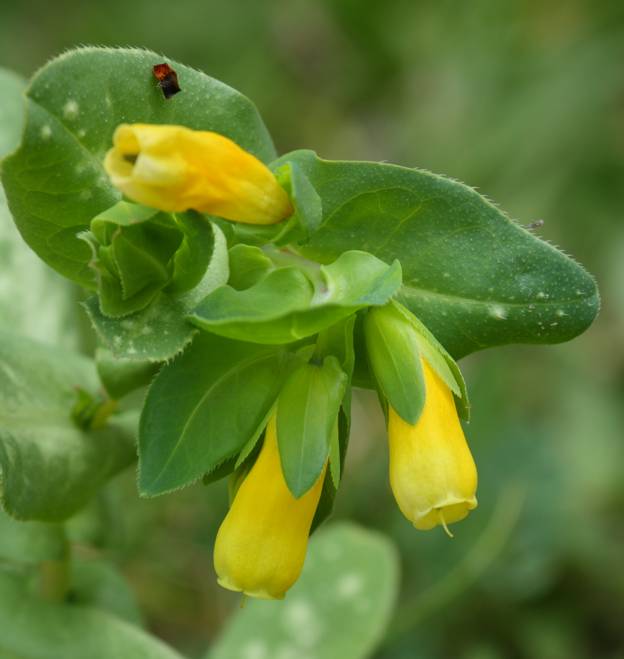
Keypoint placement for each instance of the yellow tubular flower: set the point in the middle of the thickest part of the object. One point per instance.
(432, 473)
(262, 542)
(174, 169)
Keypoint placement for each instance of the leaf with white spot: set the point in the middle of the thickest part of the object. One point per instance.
(339, 608)
(55, 182)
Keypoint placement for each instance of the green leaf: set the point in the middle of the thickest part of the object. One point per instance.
(307, 411)
(50, 467)
(160, 331)
(339, 608)
(55, 182)
(37, 629)
(472, 276)
(284, 306)
(11, 110)
(203, 407)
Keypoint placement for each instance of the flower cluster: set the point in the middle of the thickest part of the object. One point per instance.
(261, 545)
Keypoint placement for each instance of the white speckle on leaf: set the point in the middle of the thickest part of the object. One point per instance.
(446, 274)
(303, 623)
(81, 133)
(255, 649)
(127, 325)
(349, 585)
(542, 296)
(146, 330)
(70, 109)
(45, 132)
(498, 311)
(561, 313)
(85, 195)
(117, 340)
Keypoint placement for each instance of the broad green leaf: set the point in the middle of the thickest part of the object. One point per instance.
(11, 110)
(160, 331)
(285, 306)
(203, 407)
(50, 467)
(472, 276)
(36, 629)
(339, 608)
(55, 182)
(307, 412)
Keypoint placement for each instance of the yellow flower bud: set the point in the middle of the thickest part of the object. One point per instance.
(261, 545)
(175, 169)
(432, 472)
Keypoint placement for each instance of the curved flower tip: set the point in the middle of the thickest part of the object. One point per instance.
(261, 544)
(174, 169)
(432, 472)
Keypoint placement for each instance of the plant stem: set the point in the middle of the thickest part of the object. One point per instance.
(54, 576)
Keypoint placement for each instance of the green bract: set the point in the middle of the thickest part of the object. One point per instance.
(291, 303)
(307, 416)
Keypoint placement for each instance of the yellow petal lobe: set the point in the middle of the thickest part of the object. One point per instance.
(433, 475)
(175, 169)
(261, 544)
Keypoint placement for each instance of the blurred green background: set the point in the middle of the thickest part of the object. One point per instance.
(523, 100)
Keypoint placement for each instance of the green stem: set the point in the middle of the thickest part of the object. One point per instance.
(483, 553)
(54, 576)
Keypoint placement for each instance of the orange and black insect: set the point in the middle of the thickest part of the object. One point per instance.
(167, 79)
